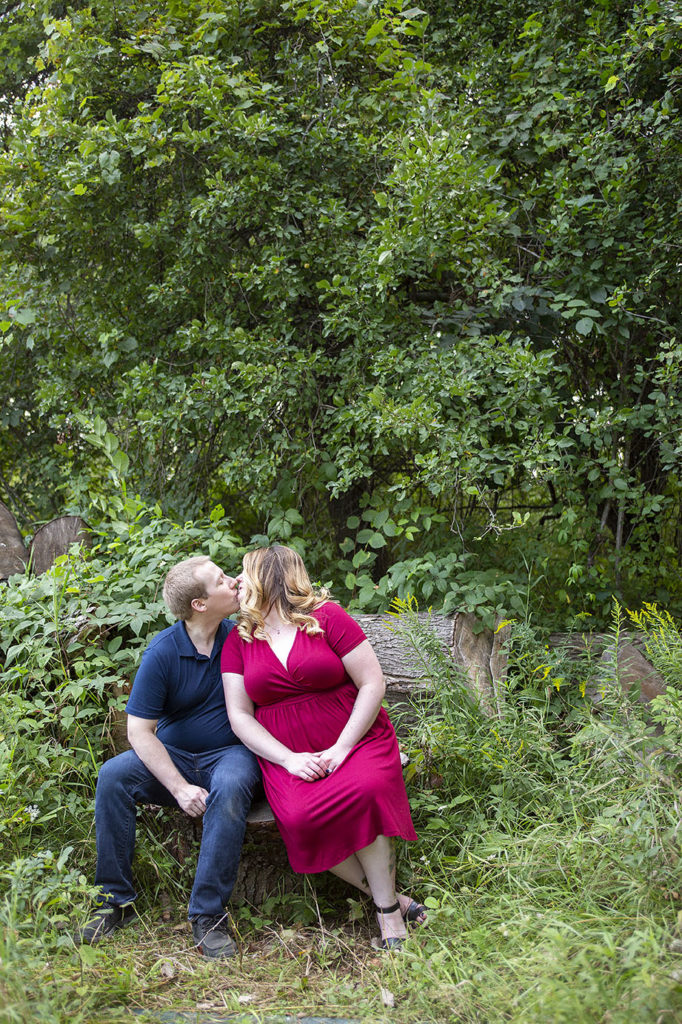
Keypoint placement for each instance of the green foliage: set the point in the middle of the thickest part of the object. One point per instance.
(552, 824)
(323, 262)
(662, 641)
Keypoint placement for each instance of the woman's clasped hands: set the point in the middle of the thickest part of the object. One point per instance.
(306, 766)
(314, 766)
(333, 756)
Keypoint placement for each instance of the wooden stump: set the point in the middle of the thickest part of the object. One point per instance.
(54, 539)
(263, 869)
(13, 553)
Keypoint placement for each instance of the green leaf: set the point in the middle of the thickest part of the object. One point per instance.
(375, 30)
(584, 325)
(90, 955)
(25, 317)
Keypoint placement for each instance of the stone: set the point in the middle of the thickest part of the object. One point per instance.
(634, 672)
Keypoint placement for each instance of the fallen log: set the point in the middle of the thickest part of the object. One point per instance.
(410, 653)
(624, 662)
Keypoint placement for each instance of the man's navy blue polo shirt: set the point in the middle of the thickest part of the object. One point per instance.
(183, 690)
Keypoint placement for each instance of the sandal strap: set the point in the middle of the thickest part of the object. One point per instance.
(388, 910)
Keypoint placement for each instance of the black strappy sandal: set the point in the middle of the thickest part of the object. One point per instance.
(393, 942)
(413, 913)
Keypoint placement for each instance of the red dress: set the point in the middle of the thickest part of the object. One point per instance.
(305, 706)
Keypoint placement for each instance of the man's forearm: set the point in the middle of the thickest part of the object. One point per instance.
(156, 758)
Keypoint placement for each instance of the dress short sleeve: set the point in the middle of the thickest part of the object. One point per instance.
(342, 632)
(231, 656)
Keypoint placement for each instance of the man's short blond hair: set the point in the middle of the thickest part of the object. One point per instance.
(182, 586)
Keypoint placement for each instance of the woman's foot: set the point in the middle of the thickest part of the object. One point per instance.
(413, 913)
(391, 925)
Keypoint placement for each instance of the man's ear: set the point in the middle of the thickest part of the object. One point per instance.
(198, 604)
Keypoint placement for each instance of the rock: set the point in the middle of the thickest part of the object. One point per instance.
(634, 672)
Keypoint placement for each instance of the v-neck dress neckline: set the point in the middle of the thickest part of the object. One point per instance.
(284, 664)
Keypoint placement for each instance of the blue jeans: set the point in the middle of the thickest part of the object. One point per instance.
(230, 776)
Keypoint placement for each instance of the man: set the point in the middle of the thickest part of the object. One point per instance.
(184, 754)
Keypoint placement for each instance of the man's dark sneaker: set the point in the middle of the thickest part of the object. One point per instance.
(211, 937)
(105, 921)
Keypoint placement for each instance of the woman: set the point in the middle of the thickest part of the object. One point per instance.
(303, 689)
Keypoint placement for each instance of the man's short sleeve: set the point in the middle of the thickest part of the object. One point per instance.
(150, 687)
(231, 656)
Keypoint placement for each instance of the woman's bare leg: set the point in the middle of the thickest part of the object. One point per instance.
(351, 871)
(378, 863)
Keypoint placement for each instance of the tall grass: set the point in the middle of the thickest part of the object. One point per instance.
(553, 838)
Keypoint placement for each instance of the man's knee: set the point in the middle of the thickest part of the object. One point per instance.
(120, 771)
(235, 778)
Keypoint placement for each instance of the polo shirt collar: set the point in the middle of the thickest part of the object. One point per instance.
(186, 648)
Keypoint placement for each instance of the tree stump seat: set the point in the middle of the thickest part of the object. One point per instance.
(260, 816)
(263, 869)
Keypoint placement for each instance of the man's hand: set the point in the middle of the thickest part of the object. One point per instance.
(305, 766)
(192, 799)
(332, 757)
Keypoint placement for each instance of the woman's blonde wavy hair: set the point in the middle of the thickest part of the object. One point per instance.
(276, 577)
